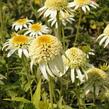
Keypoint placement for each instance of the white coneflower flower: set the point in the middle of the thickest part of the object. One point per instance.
(83, 4)
(21, 23)
(75, 59)
(63, 17)
(54, 7)
(46, 50)
(37, 29)
(97, 79)
(104, 37)
(17, 43)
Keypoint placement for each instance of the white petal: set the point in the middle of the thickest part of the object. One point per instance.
(26, 53)
(80, 75)
(106, 42)
(20, 52)
(26, 32)
(88, 8)
(43, 71)
(72, 75)
(59, 63)
(102, 40)
(11, 52)
(49, 71)
(31, 65)
(41, 9)
(16, 28)
(25, 26)
(65, 69)
(53, 68)
(84, 8)
(100, 36)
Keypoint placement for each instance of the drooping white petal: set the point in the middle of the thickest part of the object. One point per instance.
(53, 68)
(102, 40)
(31, 65)
(26, 53)
(84, 8)
(59, 63)
(87, 7)
(41, 9)
(11, 52)
(16, 28)
(20, 52)
(43, 71)
(72, 75)
(106, 42)
(100, 36)
(49, 71)
(65, 69)
(80, 75)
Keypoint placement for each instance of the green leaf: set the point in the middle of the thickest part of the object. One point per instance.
(37, 95)
(18, 99)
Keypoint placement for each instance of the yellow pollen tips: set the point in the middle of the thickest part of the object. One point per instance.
(56, 4)
(36, 27)
(74, 58)
(21, 21)
(19, 39)
(106, 30)
(82, 2)
(44, 48)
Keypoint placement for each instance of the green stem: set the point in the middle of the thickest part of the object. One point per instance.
(78, 28)
(58, 27)
(51, 92)
(63, 38)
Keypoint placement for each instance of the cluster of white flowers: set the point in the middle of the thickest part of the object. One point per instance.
(64, 10)
(46, 50)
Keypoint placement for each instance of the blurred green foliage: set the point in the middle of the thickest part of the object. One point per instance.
(13, 83)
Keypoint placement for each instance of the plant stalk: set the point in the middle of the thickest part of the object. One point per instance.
(78, 28)
(51, 92)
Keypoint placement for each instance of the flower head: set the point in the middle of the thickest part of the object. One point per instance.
(46, 50)
(56, 4)
(104, 37)
(17, 43)
(84, 4)
(37, 29)
(21, 23)
(75, 59)
(52, 8)
(97, 79)
(97, 73)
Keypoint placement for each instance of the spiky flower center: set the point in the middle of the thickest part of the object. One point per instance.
(56, 4)
(21, 21)
(82, 2)
(106, 30)
(19, 39)
(36, 27)
(74, 58)
(44, 48)
(95, 72)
